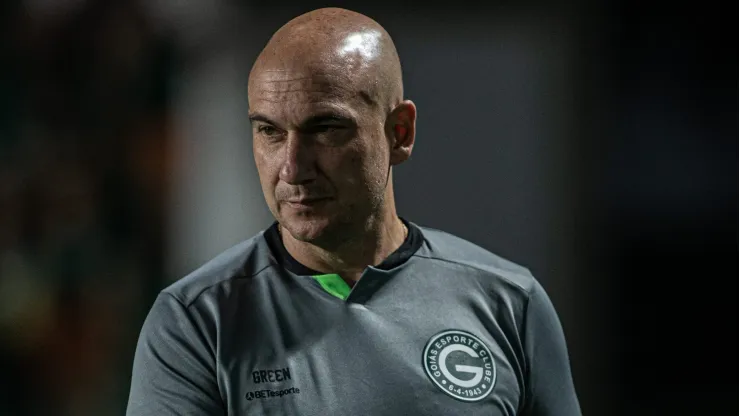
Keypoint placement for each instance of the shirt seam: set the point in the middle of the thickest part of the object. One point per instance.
(527, 390)
(215, 355)
(205, 289)
(527, 291)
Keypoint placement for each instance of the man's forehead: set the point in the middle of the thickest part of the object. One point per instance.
(305, 91)
(279, 82)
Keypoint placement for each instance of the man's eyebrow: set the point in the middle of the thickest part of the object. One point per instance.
(316, 119)
(259, 117)
(326, 117)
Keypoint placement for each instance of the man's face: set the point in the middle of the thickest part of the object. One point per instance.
(320, 150)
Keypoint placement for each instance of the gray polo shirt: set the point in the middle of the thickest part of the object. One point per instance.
(441, 327)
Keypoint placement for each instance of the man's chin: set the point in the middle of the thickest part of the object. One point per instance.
(308, 230)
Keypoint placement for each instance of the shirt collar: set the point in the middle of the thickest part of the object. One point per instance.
(410, 245)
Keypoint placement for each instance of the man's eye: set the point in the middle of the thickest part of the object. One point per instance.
(268, 131)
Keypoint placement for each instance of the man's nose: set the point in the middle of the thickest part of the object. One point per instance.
(299, 161)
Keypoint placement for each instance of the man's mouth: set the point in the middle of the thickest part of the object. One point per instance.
(305, 202)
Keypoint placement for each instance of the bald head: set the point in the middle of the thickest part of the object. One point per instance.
(339, 47)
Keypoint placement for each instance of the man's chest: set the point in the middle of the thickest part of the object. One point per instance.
(417, 360)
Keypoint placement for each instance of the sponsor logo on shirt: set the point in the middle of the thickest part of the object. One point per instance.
(268, 394)
(460, 364)
(271, 376)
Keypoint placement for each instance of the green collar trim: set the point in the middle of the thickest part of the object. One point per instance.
(334, 285)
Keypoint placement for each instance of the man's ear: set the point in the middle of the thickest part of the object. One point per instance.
(401, 129)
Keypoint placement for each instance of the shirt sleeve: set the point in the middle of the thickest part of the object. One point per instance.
(549, 382)
(174, 365)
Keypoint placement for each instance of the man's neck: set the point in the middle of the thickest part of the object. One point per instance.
(350, 261)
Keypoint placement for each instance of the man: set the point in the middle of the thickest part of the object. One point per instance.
(341, 307)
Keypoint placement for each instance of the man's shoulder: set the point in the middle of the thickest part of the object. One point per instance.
(447, 247)
(242, 260)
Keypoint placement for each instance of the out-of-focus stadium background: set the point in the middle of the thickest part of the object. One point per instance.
(594, 142)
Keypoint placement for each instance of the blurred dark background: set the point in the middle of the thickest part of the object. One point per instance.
(594, 142)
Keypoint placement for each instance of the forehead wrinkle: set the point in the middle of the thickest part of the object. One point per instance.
(276, 85)
(313, 87)
(300, 93)
(281, 99)
(330, 75)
